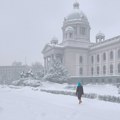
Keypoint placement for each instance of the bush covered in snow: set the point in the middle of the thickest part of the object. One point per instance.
(38, 70)
(27, 82)
(17, 82)
(32, 83)
(56, 72)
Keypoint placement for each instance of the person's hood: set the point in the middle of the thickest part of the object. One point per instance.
(79, 84)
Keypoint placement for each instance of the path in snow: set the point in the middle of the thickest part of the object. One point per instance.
(25, 104)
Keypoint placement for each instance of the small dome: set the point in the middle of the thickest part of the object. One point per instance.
(100, 34)
(100, 37)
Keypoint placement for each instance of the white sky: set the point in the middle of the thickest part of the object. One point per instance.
(27, 25)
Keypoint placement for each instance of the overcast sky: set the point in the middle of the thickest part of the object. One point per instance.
(27, 25)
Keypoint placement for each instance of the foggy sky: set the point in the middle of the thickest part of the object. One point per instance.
(27, 25)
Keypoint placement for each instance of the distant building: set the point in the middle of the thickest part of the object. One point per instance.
(81, 57)
(11, 73)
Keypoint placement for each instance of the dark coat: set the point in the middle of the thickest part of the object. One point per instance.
(79, 91)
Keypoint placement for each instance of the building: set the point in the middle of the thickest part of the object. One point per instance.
(11, 73)
(80, 56)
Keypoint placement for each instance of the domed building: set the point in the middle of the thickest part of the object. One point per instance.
(76, 26)
(84, 60)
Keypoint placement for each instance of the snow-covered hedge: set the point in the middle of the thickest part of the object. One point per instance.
(58, 92)
(119, 90)
(109, 98)
(90, 95)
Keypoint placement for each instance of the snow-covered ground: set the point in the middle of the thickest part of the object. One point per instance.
(27, 104)
(102, 89)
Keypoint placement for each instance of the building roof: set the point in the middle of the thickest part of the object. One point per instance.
(104, 43)
(50, 46)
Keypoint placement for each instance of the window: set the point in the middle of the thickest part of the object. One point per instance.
(98, 58)
(104, 56)
(92, 71)
(81, 71)
(110, 80)
(83, 31)
(119, 68)
(70, 35)
(118, 80)
(111, 69)
(103, 81)
(119, 53)
(104, 69)
(111, 55)
(92, 59)
(80, 59)
(98, 70)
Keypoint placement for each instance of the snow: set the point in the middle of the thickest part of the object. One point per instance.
(26, 104)
(56, 45)
(102, 89)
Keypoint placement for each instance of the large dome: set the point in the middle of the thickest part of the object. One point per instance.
(76, 14)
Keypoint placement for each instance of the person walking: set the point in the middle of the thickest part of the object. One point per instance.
(79, 91)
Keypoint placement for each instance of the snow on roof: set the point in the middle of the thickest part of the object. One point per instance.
(55, 45)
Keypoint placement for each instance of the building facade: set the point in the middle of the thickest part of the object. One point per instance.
(80, 56)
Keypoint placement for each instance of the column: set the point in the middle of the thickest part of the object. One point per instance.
(114, 64)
